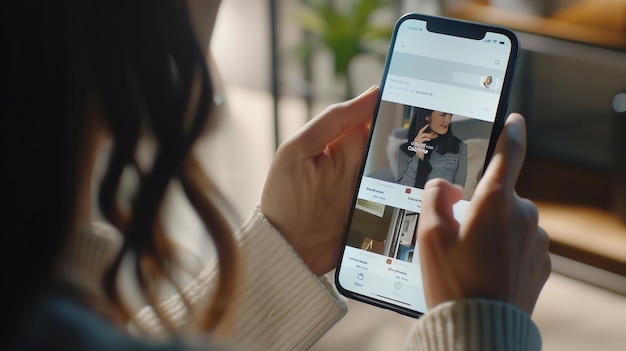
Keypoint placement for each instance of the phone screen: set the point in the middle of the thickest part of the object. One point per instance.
(443, 99)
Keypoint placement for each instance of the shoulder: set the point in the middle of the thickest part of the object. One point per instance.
(458, 140)
(462, 145)
(60, 323)
(88, 253)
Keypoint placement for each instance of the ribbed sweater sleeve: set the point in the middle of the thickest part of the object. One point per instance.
(88, 254)
(282, 305)
(474, 324)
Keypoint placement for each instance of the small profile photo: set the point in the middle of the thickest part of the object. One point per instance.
(487, 82)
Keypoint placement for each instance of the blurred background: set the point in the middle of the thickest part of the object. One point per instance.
(283, 61)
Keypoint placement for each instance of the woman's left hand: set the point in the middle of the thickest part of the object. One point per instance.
(311, 183)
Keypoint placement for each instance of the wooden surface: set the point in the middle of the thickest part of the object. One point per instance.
(576, 207)
(597, 22)
(590, 235)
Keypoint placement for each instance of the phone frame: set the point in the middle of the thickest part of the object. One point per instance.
(446, 26)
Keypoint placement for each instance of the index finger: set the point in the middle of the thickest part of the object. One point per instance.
(330, 124)
(508, 156)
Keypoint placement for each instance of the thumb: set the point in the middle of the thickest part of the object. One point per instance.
(437, 224)
(335, 120)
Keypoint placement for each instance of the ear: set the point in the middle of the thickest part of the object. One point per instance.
(427, 118)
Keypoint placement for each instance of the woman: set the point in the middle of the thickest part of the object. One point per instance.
(487, 82)
(432, 151)
(89, 78)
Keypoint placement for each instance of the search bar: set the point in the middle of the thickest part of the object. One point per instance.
(475, 80)
(445, 72)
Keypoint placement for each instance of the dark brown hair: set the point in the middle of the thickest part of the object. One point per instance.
(141, 61)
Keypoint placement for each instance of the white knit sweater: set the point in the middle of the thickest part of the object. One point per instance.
(284, 306)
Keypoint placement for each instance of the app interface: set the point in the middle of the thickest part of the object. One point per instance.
(439, 103)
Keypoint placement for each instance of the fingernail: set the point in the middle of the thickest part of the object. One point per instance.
(370, 89)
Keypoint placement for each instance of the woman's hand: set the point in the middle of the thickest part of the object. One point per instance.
(499, 252)
(311, 183)
(419, 142)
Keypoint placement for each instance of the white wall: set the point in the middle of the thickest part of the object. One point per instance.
(241, 48)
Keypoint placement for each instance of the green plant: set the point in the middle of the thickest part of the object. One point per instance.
(345, 31)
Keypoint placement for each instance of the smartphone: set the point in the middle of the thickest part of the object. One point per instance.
(444, 95)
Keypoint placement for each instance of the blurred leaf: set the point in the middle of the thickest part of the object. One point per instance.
(347, 33)
(310, 20)
(304, 50)
(377, 32)
(363, 9)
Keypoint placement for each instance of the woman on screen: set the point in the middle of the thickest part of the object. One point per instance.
(487, 82)
(432, 150)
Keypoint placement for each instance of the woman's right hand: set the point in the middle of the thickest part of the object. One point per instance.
(499, 252)
(419, 142)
